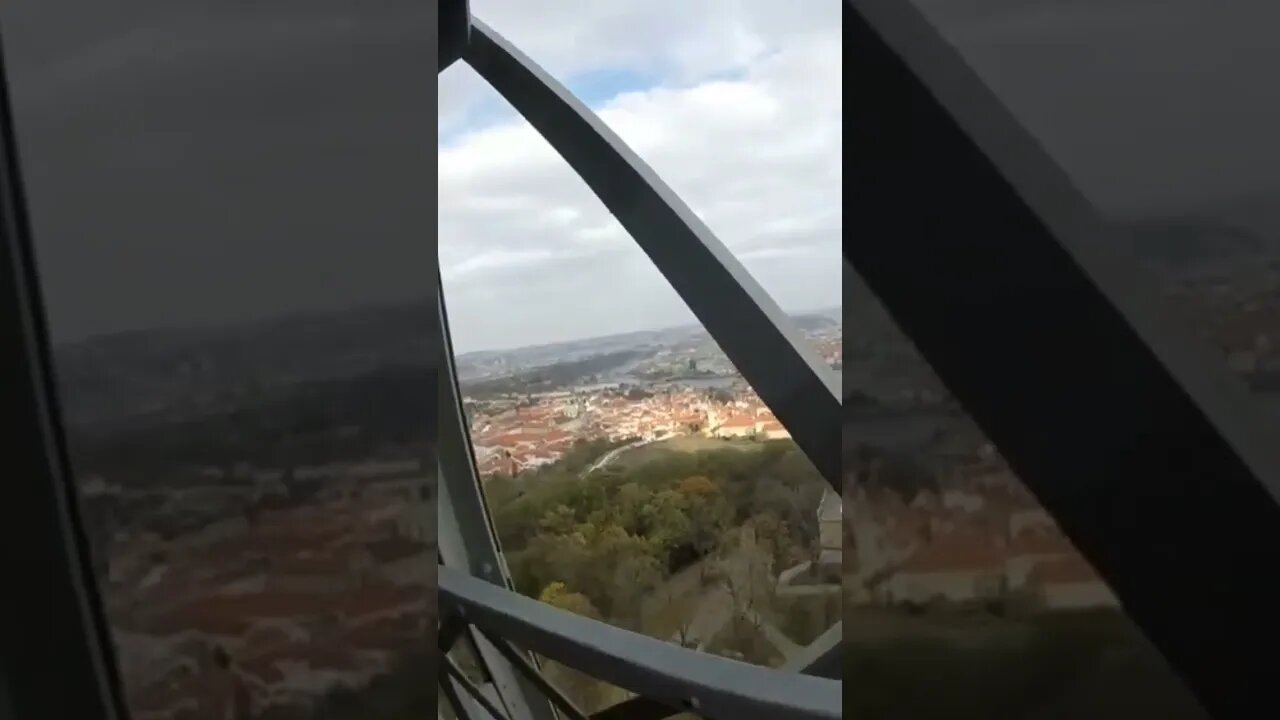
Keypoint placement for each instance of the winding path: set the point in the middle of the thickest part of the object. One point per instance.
(609, 456)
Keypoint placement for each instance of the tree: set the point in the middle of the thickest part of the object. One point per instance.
(666, 520)
(697, 486)
(557, 594)
(586, 692)
(708, 511)
(559, 521)
(629, 504)
(720, 395)
(682, 631)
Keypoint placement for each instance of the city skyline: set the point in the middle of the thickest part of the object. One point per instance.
(691, 322)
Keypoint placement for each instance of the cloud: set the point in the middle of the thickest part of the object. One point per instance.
(740, 112)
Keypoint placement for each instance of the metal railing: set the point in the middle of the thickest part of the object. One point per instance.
(677, 678)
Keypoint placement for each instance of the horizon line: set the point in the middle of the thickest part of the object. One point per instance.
(513, 348)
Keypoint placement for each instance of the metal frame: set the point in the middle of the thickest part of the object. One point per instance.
(1155, 461)
(757, 337)
(54, 628)
(750, 328)
(466, 536)
(679, 678)
(821, 658)
(452, 31)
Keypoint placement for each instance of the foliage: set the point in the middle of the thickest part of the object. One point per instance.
(617, 535)
(741, 640)
(558, 595)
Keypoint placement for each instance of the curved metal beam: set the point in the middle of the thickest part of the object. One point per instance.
(709, 686)
(751, 329)
(54, 624)
(464, 526)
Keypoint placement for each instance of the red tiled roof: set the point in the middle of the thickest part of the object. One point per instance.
(955, 552)
(384, 634)
(233, 614)
(378, 598)
(1071, 569)
(264, 668)
(1040, 542)
(391, 549)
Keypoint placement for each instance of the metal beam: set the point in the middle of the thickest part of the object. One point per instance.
(757, 336)
(453, 673)
(466, 536)
(822, 657)
(1152, 457)
(453, 19)
(535, 676)
(637, 708)
(706, 685)
(53, 623)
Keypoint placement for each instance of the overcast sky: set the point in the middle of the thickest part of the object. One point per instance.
(211, 160)
(193, 161)
(736, 105)
(1153, 106)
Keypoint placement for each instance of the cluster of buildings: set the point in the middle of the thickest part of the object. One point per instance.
(980, 537)
(1248, 336)
(831, 347)
(274, 606)
(512, 438)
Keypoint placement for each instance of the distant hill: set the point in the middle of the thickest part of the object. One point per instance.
(1194, 245)
(485, 362)
(1231, 239)
(180, 373)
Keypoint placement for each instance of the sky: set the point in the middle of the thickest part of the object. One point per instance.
(190, 162)
(1152, 106)
(735, 104)
(194, 161)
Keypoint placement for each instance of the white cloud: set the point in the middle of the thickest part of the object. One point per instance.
(744, 124)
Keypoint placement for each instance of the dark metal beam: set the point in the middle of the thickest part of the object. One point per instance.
(454, 673)
(466, 537)
(1154, 460)
(535, 676)
(637, 708)
(454, 28)
(53, 626)
(707, 685)
(748, 325)
(822, 657)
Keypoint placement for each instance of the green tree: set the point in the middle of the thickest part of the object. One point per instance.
(666, 520)
(586, 692)
(557, 594)
(561, 520)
